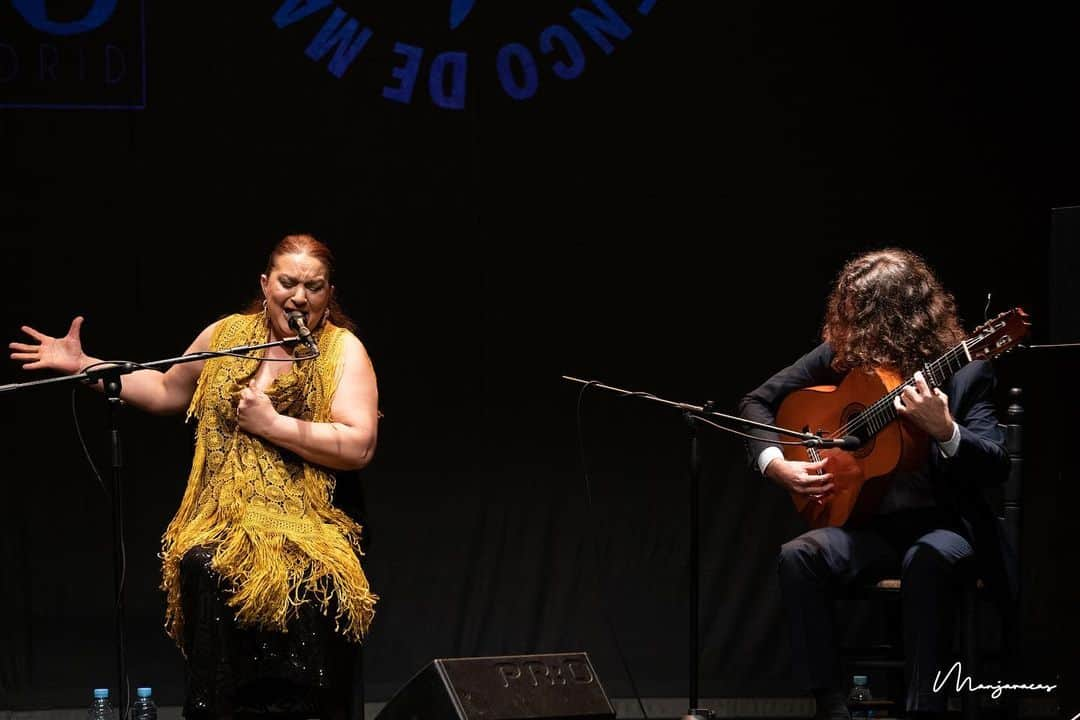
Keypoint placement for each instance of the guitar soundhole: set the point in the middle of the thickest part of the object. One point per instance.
(851, 412)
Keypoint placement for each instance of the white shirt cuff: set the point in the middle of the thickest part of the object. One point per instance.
(771, 453)
(950, 446)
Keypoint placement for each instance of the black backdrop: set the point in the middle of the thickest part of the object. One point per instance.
(668, 221)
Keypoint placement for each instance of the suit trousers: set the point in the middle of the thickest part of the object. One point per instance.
(927, 547)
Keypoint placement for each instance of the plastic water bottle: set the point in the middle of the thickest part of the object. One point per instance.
(858, 697)
(101, 708)
(144, 707)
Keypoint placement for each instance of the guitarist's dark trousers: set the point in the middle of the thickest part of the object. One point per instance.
(930, 552)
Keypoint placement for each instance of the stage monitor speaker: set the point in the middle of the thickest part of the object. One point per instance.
(1064, 265)
(556, 686)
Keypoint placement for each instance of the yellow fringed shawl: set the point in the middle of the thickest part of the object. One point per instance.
(279, 541)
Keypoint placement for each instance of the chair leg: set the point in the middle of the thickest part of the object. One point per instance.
(969, 650)
(356, 690)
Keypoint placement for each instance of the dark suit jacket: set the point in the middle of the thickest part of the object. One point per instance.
(981, 460)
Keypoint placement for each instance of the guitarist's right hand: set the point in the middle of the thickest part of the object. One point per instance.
(804, 478)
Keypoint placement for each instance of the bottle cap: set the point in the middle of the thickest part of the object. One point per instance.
(142, 692)
(101, 693)
(859, 679)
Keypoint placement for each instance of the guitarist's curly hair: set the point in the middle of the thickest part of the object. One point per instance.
(888, 309)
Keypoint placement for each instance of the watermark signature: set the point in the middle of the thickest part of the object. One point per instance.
(965, 682)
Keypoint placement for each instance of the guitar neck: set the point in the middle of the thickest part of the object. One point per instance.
(881, 413)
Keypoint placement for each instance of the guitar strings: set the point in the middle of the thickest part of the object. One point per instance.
(882, 412)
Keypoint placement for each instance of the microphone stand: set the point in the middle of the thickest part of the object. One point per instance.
(109, 374)
(692, 415)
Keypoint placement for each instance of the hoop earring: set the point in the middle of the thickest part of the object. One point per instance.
(264, 306)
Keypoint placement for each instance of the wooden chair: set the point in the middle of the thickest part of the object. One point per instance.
(1005, 501)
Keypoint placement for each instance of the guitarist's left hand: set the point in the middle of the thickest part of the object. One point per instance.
(927, 409)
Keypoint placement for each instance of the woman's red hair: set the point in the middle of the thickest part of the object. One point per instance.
(304, 244)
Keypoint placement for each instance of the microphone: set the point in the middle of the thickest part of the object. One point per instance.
(296, 322)
(848, 442)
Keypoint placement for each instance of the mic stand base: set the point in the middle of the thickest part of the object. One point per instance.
(698, 714)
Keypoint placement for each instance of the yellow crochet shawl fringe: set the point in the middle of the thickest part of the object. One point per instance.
(279, 541)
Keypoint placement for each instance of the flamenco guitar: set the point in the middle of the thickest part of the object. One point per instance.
(862, 405)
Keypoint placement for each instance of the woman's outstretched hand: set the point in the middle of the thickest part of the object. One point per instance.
(51, 353)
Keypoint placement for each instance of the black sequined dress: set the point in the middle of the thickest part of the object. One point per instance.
(233, 671)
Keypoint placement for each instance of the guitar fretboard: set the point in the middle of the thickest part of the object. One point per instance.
(869, 422)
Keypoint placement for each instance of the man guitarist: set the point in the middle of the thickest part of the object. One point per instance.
(888, 310)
